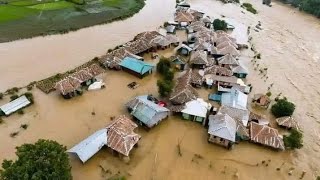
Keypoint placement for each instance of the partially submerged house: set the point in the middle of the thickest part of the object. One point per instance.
(184, 49)
(228, 61)
(136, 67)
(240, 71)
(196, 110)
(266, 135)
(121, 137)
(222, 130)
(72, 84)
(261, 100)
(15, 105)
(179, 62)
(171, 29)
(199, 59)
(183, 18)
(259, 119)
(90, 146)
(113, 58)
(147, 112)
(235, 99)
(183, 91)
(287, 122)
(183, 5)
(229, 50)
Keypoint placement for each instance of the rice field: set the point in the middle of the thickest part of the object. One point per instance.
(29, 18)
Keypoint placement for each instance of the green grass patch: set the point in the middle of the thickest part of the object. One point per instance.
(28, 2)
(52, 5)
(9, 12)
(113, 3)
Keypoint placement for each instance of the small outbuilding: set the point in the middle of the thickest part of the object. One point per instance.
(179, 62)
(287, 122)
(196, 110)
(261, 100)
(136, 67)
(240, 71)
(148, 112)
(199, 59)
(184, 50)
(171, 29)
(222, 130)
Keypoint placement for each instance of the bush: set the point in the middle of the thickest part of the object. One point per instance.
(29, 96)
(164, 87)
(20, 112)
(249, 8)
(163, 66)
(283, 108)
(29, 87)
(13, 97)
(45, 159)
(1, 95)
(24, 126)
(219, 25)
(2, 113)
(269, 94)
(294, 140)
(13, 90)
(1, 120)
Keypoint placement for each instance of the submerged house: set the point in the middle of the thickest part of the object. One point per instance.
(90, 146)
(183, 18)
(259, 119)
(235, 99)
(118, 136)
(261, 100)
(199, 59)
(147, 112)
(121, 137)
(196, 110)
(266, 135)
(228, 61)
(72, 84)
(171, 29)
(222, 130)
(179, 62)
(136, 67)
(184, 50)
(287, 122)
(15, 105)
(183, 91)
(240, 71)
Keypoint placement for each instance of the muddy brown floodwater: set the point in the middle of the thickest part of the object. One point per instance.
(288, 47)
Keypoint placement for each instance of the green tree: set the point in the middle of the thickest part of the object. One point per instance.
(219, 25)
(294, 140)
(163, 66)
(46, 159)
(283, 108)
(169, 75)
(164, 87)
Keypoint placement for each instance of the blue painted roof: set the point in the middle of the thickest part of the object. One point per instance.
(136, 65)
(235, 99)
(146, 110)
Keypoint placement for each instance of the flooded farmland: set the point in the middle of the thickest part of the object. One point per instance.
(288, 47)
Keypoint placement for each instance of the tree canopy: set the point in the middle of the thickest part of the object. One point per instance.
(46, 159)
(294, 140)
(283, 108)
(309, 6)
(219, 25)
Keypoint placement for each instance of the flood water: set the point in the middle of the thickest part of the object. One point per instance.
(288, 47)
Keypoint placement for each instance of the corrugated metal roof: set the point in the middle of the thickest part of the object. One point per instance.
(15, 105)
(197, 107)
(136, 65)
(90, 146)
(235, 98)
(145, 110)
(223, 126)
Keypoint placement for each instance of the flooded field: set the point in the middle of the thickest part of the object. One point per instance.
(288, 47)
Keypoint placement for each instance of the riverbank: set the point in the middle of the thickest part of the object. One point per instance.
(24, 19)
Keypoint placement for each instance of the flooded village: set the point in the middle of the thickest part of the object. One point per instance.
(215, 123)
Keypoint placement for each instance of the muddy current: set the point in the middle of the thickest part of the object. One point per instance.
(287, 41)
